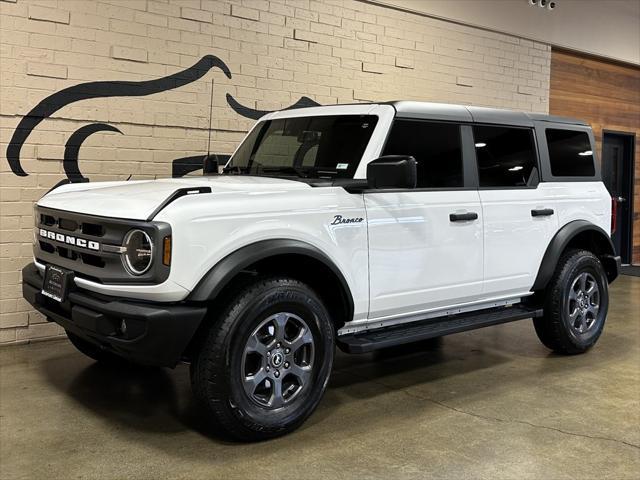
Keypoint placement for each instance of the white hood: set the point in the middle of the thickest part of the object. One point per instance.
(138, 200)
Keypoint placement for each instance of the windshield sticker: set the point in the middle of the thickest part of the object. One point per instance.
(342, 166)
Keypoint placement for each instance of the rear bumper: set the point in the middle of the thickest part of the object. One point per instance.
(155, 334)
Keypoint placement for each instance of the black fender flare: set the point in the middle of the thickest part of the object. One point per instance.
(219, 276)
(560, 242)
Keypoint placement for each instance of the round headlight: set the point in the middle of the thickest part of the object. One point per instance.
(139, 252)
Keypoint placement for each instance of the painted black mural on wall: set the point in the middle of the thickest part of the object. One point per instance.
(84, 91)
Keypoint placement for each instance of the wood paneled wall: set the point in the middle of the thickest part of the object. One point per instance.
(605, 94)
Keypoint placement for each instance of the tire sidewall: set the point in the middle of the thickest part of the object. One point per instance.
(591, 265)
(288, 298)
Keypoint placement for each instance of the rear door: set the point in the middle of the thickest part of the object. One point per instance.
(519, 219)
(423, 253)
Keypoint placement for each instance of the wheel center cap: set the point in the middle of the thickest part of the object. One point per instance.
(277, 359)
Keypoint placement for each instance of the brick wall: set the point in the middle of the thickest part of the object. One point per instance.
(277, 52)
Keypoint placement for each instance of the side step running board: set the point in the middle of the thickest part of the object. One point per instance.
(367, 341)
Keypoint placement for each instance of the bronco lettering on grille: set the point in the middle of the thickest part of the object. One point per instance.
(69, 240)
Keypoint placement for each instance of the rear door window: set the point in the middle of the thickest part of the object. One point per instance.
(506, 156)
(570, 153)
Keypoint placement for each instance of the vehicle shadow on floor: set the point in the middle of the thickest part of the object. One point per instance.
(160, 400)
(157, 400)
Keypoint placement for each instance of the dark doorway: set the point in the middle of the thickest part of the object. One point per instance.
(617, 174)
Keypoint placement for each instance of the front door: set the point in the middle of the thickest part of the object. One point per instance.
(617, 175)
(425, 245)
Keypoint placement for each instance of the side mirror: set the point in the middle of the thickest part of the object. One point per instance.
(392, 171)
(210, 165)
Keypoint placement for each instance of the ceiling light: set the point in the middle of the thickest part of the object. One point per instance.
(586, 153)
(516, 168)
(480, 145)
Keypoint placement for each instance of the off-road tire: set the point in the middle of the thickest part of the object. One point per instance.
(556, 329)
(218, 373)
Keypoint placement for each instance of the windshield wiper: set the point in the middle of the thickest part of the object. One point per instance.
(284, 169)
(257, 169)
(233, 169)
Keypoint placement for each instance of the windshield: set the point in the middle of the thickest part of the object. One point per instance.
(318, 147)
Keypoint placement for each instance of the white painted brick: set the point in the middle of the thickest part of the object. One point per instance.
(216, 6)
(404, 62)
(131, 28)
(365, 17)
(243, 12)
(14, 319)
(150, 19)
(282, 9)
(526, 90)
(46, 70)
(198, 15)
(37, 12)
(257, 4)
(39, 331)
(272, 18)
(465, 81)
(86, 20)
(307, 15)
(316, 38)
(292, 44)
(8, 335)
(330, 19)
(125, 53)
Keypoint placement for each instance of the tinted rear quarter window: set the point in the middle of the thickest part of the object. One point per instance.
(436, 148)
(570, 153)
(506, 156)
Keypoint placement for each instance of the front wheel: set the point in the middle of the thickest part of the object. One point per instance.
(576, 304)
(264, 364)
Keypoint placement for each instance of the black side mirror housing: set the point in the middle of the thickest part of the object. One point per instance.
(210, 165)
(392, 171)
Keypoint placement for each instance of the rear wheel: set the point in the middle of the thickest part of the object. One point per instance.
(264, 364)
(576, 304)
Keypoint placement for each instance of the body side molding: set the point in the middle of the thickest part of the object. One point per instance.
(226, 269)
(562, 239)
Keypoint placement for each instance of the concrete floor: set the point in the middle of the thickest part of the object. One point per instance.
(492, 404)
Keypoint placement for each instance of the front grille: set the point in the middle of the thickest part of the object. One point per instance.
(77, 242)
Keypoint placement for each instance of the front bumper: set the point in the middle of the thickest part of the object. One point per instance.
(155, 334)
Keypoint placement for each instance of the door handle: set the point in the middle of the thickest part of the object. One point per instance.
(541, 212)
(463, 217)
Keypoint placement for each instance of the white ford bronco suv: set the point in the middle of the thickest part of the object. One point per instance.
(358, 226)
